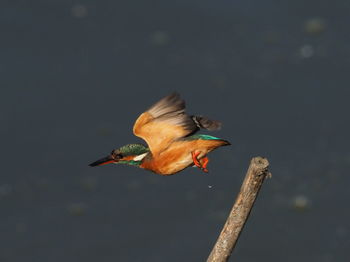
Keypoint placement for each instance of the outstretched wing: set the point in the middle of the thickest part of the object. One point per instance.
(164, 122)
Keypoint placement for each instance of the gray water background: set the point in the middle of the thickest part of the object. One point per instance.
(76, 74)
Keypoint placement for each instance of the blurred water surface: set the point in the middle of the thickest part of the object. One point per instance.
(76, 74)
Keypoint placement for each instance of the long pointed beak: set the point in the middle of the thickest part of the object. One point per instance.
(103, 161)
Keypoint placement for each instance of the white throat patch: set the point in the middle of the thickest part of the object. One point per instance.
(140, 157)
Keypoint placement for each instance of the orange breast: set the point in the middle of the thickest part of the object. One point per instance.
(178, 156)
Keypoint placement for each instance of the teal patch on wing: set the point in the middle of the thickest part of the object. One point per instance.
(203, 137)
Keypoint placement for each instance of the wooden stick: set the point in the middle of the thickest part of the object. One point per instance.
(256, 174)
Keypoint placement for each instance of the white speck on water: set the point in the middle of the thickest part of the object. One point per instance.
(210, 186)
(307, 51)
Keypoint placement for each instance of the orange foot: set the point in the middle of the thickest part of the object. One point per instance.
(195, 160)
(202, 164)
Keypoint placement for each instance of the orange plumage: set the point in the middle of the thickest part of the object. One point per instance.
(169, 133)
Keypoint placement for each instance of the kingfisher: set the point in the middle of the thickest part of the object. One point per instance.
(172, 142)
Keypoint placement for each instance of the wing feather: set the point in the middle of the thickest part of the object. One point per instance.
(164, 122)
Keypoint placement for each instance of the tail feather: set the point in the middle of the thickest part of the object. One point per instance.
(205, 123)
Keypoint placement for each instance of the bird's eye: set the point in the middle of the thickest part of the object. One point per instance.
(119, 156)
(116, 154)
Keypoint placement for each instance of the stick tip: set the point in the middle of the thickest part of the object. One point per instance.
(260, 161)
(261, 165)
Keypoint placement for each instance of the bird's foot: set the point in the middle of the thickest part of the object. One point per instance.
(202, 164)
(195, 159)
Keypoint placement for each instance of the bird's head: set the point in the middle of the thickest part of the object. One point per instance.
(131, 154)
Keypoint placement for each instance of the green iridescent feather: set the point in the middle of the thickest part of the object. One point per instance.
(202, 137)
(130, 162)
(133, 149)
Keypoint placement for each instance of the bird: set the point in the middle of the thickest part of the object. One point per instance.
(172, 142)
